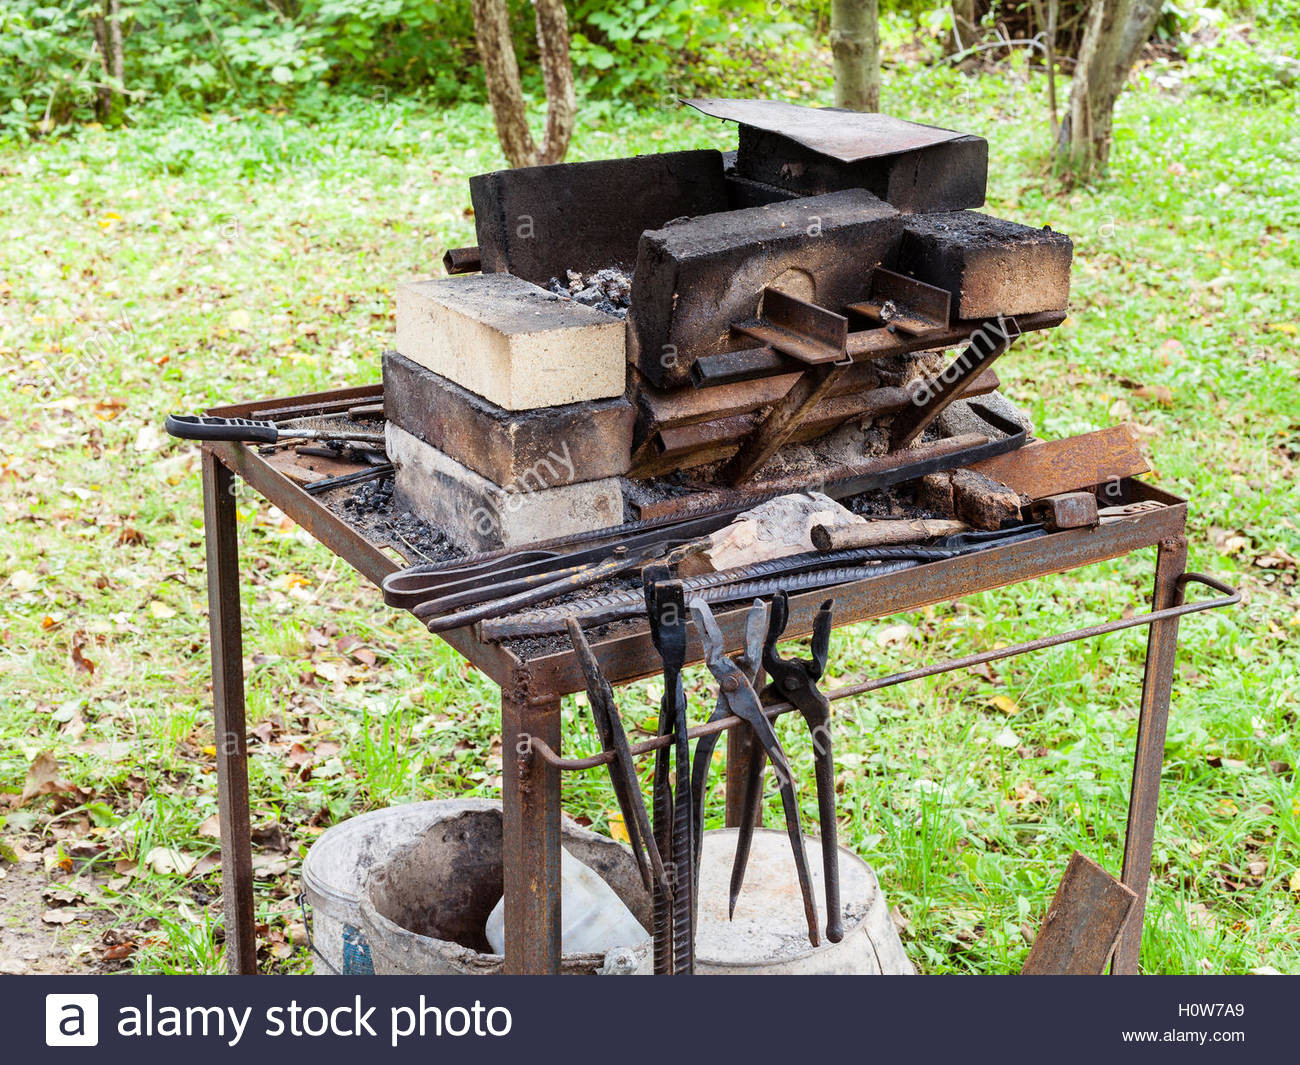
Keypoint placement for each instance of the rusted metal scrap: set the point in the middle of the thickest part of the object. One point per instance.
(1048, 468)
(1082, 924)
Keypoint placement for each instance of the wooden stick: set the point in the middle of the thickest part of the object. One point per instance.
(882, 533)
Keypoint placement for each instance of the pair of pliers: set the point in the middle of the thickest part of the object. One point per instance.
(622, 773)
(749, 662)
(738, 693)
(674, 913)
(794, 680)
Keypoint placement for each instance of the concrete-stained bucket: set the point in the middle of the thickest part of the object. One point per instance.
(334, 875)
(425, 909)
(768, 934)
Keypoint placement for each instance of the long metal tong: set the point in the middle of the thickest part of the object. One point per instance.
(749, 663)
(622, 772)
(795, 679)
(743, 701)
(674, 915)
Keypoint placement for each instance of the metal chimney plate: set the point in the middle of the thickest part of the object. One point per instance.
(848, 136)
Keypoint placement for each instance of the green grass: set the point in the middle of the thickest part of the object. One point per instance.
(238, 256)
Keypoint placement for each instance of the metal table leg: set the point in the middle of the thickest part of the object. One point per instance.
(228, 713)
(530, 796)
(1148, 758)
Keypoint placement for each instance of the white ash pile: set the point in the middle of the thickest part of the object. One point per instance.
(608, 290)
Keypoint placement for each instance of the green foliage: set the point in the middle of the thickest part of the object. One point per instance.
(662, 48)
(1235, 69)
(196, 55)
(46, 63)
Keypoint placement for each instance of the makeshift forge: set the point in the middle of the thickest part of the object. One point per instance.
(662, 334)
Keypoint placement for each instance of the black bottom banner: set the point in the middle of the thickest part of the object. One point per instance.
(625, 1020)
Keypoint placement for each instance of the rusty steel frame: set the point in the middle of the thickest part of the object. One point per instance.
(532, 690)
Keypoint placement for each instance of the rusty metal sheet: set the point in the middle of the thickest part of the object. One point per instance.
(844, 135)
(1052, 467)
(1082, 923)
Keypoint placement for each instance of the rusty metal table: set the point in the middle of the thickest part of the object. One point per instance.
(531, 690)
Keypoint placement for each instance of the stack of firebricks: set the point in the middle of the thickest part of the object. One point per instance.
(790, 304)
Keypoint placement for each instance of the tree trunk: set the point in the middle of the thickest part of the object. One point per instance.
(965, 26)
(110, 97)
(505, 91)
(1113, 36)
(557, 75)
(855, 52)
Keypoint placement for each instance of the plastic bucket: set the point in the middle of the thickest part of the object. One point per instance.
(424, 909)
(334, 875)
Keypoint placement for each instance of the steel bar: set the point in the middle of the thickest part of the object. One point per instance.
(782, 420)
(530, 798)
(228, 715)
(1228, 597)
(732, 366)
(931, 398)
(1148, 756)
(462, 260)
(315, 488)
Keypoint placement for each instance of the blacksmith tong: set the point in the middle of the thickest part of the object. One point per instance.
(749, 662)
(674, 830)
(794, 680)
(622, 772)
(738, 693)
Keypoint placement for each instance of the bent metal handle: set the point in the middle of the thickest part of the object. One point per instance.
(207, 427)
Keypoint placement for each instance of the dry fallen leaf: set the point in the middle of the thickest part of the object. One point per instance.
(42, 777)
(894, 634)
(207, 864)
(63, 916)
(270, 865)
(166, 861)
(618, 827)
(22, 580)
(1004, 703)
(83, 664)
(1160, 394)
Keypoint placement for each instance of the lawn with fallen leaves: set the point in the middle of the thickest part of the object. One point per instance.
(233, 257)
